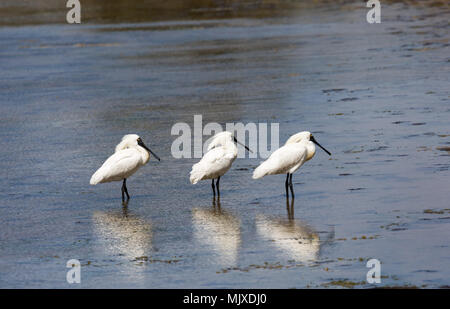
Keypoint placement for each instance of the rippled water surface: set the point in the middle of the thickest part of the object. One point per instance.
(376, 96)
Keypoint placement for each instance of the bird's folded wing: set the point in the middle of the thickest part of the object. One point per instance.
(118, 165)
(212, 157)
(213, 161)
(284, 159)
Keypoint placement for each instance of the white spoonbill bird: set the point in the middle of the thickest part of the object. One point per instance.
(130, 154)
(217, 161)
(298, 149)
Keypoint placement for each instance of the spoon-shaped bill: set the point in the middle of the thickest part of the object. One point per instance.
(148, 149)
(315, 142)
(236, 141)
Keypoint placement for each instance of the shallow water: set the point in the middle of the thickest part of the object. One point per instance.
(376, 96)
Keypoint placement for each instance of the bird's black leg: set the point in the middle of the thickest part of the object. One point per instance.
(213, 188)
(286, 185)
(291, 186)
(125, 190)
(217, 185)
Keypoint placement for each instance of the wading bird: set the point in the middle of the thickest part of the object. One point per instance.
(298, 149)
(217, 161)
(130, 154)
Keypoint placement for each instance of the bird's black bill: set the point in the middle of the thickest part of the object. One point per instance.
(148, 149)
(236, 141)
(315, 142)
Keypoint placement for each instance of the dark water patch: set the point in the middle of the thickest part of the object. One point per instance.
(266, 265)
(354, 150)
(396, 229)
(167, 26)
(436, 211)
(424, 148)
(364, 237)
(348, 99)
(443, 148)
(360, 90)
(333, 90)
(344, 283)
(442, 167)
(150, 260)
(399, 287)
(379, 148)
(395, 226)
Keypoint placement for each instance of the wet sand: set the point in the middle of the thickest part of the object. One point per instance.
(376, 96)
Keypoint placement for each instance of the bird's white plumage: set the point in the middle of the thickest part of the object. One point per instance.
(120, 165)
(127, 159)
(289, 158)
(217, 161)
(128, 141)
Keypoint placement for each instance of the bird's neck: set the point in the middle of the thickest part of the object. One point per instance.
(310, 150)
(231, 147)
(144, 154)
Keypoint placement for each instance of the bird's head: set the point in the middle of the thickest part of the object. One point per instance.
(222, 138)
(133, 140)
(128, 141)
(305, 136)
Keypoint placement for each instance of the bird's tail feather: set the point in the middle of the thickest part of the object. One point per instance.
(96, 178)
(196, 175)
(261, 171)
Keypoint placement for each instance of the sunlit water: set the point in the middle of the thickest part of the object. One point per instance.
(376, 96)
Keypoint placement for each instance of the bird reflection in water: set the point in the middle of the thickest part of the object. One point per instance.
(123, 234)
(219, 231)
(290, 208)
(293, 237)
